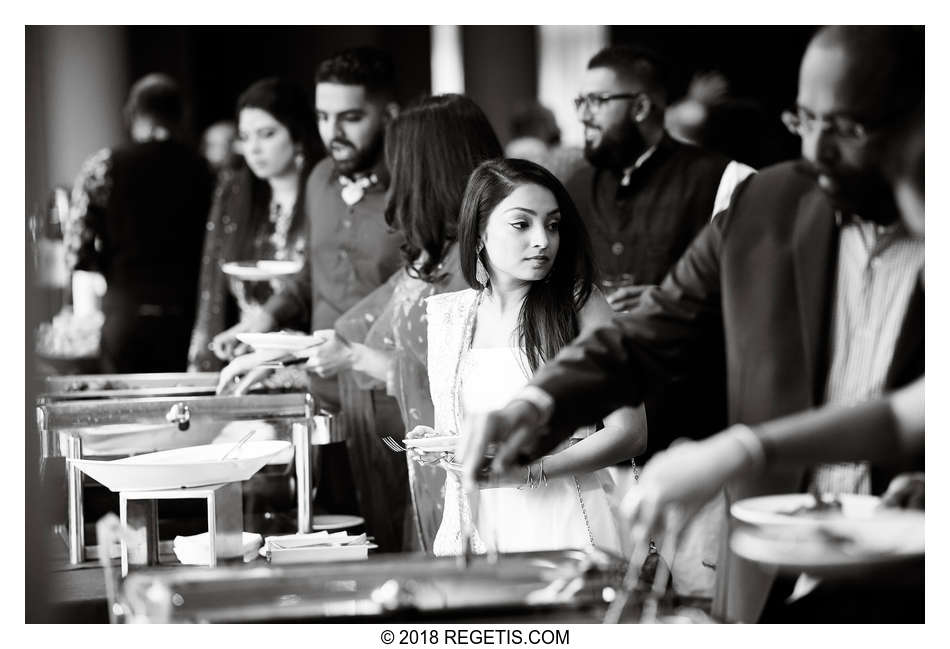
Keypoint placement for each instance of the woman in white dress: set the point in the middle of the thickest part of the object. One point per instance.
(526, 255)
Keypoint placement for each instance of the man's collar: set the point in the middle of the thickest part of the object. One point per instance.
(843, 218)
(625, 175)
(656, 152)
(379, 170)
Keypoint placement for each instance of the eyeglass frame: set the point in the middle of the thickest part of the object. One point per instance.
(792, 120)
(601, 98)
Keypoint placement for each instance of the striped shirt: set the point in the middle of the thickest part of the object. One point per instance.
(877, 272)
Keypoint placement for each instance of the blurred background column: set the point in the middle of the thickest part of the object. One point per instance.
(563, 52)
(448, 70)
(75, 86)
(500, 70)
(76, 83)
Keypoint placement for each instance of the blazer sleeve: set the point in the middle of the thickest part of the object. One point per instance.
(625, 361)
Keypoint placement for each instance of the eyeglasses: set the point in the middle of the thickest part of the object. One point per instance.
(801, 122)
(596, 100)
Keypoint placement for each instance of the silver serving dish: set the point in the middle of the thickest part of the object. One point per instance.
(391, 587)
(71, 429)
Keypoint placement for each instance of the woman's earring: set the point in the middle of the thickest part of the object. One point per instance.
(298, 160)
(481, 273)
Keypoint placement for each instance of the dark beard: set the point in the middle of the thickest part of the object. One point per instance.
(866, 195)
(363, 161)
(620, 146)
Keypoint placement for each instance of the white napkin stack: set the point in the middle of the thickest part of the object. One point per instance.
(194, 550)
(319, 546)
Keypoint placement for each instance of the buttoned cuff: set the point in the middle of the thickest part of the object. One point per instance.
(538, 398)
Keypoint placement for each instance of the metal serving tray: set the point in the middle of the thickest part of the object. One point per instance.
(393, 587)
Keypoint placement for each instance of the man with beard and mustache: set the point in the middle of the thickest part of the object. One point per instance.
(808, 283)
(351, 252)
(644, 199)
(645, 195)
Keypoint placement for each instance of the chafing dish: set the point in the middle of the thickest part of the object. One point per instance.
(384, 587)
(64, 425)
(123, 386)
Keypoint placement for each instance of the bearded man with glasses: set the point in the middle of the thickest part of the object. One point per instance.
(644, 197)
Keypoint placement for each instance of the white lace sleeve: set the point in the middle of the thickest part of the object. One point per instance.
(445, 314)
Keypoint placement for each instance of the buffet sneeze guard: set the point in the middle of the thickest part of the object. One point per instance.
(63, 425)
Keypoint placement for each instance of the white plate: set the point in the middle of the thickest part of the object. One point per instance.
(280, 341)
(777, 510)
(861, 534)
(834, 546)
(335, 522)
(433, 444)
(193, 466)
(259, 271)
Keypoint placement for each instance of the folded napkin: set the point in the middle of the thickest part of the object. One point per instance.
(322, 538)
(194, 550)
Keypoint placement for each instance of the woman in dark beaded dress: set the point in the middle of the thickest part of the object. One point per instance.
(257, 214)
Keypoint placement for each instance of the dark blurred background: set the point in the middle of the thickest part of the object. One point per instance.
(77, 77)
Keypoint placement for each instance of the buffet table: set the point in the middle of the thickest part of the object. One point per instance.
(567, 586)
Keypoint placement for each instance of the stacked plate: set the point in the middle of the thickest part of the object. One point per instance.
(314, 548)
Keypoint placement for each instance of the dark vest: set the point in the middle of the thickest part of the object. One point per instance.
(643, 229)
(669, 199)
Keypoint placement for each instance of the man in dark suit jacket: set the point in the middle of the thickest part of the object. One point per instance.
(768, 282)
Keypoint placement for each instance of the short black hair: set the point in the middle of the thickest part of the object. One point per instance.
(636, 62)
(157, 97)
(369, 67)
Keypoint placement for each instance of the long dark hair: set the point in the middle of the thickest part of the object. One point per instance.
(548, 318)
(287, 103)
(431, 149)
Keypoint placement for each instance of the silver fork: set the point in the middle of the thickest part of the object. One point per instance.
(394, 445)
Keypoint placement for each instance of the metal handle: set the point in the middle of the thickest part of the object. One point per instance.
(326, 429)
(179, 414)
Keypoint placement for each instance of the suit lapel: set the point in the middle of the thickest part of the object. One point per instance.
(815, 252)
